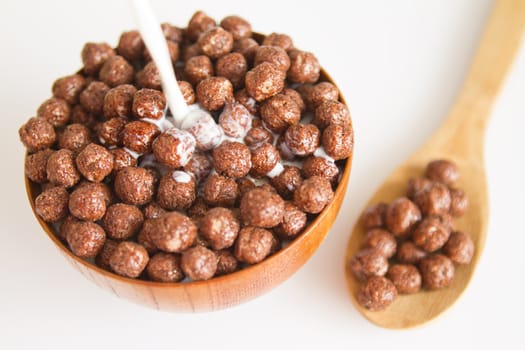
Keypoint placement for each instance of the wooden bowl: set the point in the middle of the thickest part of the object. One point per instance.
(219, 292)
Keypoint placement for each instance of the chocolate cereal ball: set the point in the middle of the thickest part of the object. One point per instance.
(173, 51)
(437, 271)
(216, 42)
(198, 209)
(103, 256)
(406, 278)
(74, 137)
(287, 181)
(176, 191)
(118, 101)
(165, 267)
(331, 112)
(198, 68)
(294, 221)
(219, 227)
(369, 262)
(55, 110)
(110, 132)
(245, 184)
(199, 166)
(122, 221)
(374, 216)
(51, 205)
(296, 97)
(443, 171)
(276, 39)
(226, 263)
(199, 263)
(409, 253)
(199, 23)
(253, 244)
(232, 159)
(237, 26)
(122, 159)
(246, 47)
(434, 200)
(304, 67)
(153, 210)
(264, 81)
(401, 216)
(80, 115)
(35, 165)
(214, 92)
(235, 120)
(376, 293)
(187, 92)
(314, 95)
(302, 139)
(261, 208)
(172, 33)
(69, 88)
(129, 259)
(149, 77)
(139, 135)
(381, 240)
(430, 234)
(313, 194)
(148, 103)
(99, 187)
(417, 185)
(264, 159)
(173, 232)
(174, 147)
(458, 202)
(88, 202)
(320, 166)
(135, 185)
(459, 248)
(116, 71)
(144, 239)
(204, 129)
(220, 191)
(338, 141)
(257, 136)
(130, 46)
(272, 54)
(61, 169)
(94, 55)
(85, 239)
(92, 98)
(188, 51)
(279, 112)
(37, 134)
(67, 225)
(248, 102)
(233, 67)
(95, 162)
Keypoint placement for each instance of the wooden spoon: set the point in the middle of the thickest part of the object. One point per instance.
(460, 139)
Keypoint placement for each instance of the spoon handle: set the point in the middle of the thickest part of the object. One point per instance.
(498, 46)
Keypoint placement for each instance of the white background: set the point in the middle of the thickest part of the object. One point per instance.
(399, 64)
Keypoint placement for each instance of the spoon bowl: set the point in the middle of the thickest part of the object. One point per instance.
(460, 139)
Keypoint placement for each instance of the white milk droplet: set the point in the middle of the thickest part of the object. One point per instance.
(181, 176)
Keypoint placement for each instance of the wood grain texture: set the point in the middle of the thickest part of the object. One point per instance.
(460, 139)
(220, 292)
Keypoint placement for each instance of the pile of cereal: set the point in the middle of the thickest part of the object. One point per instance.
(412, 241)
(145, 199)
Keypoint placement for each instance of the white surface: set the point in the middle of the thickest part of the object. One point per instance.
(399, 64)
